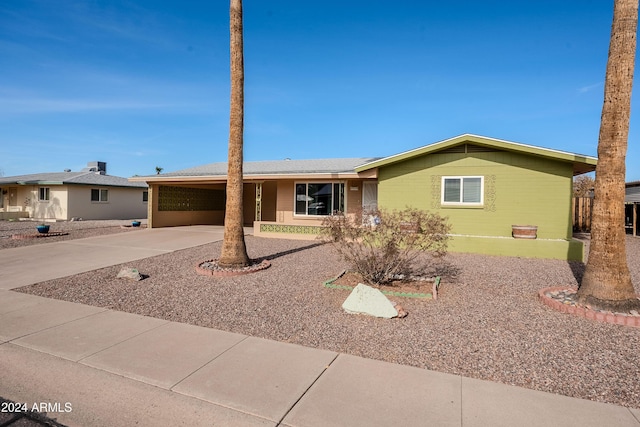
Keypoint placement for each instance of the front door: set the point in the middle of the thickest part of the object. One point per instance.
(13, 197)
(369, 196)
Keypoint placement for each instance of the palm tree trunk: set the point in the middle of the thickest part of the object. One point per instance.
(606, 283)
(234, 251)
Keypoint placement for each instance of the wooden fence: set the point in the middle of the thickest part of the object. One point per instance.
(581, 212)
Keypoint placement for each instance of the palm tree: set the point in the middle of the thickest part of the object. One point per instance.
(234, 250)
(606, 283)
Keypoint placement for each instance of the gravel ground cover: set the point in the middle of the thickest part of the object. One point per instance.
(75, 230)
(487, 323)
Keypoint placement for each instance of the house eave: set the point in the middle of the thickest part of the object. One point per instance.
(36, 182)
(581, 163)
(246, 177)
(51, 183)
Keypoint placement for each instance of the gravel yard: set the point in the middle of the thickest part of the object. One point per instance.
(75, 230)
(487, 323)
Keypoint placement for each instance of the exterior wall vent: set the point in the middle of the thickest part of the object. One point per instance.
(468, 148)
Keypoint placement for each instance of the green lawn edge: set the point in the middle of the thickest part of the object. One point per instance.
(330, 284)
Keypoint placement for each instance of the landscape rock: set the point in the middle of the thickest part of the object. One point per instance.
(130, 273)
(367, 300)
(401, 311)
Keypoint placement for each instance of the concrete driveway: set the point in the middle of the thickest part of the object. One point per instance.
(36, 263)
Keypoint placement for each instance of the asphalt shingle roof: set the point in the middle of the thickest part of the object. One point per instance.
(280, 167)
(79, 178)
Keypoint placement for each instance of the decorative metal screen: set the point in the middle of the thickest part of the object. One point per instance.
(190, 199)
(290, 229)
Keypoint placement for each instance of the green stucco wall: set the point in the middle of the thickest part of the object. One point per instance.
(519, 189)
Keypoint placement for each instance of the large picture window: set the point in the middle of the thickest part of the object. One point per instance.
(99, 195)
(463, 190)
(319, 198)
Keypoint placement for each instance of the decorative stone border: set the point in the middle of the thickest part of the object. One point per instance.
(436, 283)
(211, 268)
(38, 235)
(567, 305)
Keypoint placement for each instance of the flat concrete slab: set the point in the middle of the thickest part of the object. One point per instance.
(89, 335)
(259, 377)
(363, 392)
(55, 260)
(61, 259)
(99, 398)
(46, 314)
(166, 355)
(636, 413)
(14, 301)
(160, 239)
(487, 403)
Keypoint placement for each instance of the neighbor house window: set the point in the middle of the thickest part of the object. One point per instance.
(319, 198)
(145, 196)
(462, 190)
(43, 194)
(99, 195)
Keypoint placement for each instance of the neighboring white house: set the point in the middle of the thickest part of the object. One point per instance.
(88, 194)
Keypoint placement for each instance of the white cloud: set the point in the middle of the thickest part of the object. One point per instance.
(589, 88)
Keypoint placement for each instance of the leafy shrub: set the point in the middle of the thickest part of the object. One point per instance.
(383, 246)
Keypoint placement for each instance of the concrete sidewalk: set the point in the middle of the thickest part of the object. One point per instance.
(92, 366)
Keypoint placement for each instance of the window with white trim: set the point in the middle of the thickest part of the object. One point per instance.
(319, 198)
(99, 195)
(43, 194)
(462, 190)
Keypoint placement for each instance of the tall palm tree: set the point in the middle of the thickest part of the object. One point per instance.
(234, 250)
(607, 282)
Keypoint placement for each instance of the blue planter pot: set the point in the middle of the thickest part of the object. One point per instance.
(43, 228)
(135, 223)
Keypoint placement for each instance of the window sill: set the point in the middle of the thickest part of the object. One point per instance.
(299, 216)
(445, 206)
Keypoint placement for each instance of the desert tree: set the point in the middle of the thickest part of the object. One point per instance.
(583, 186)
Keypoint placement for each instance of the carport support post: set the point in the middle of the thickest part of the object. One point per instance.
(258, 201)
(150, 201)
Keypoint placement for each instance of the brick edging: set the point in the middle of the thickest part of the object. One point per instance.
(581, 311)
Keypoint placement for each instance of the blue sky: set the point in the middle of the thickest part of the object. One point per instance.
(140, 84)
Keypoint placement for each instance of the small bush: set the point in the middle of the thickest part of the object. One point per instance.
(383, 246)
